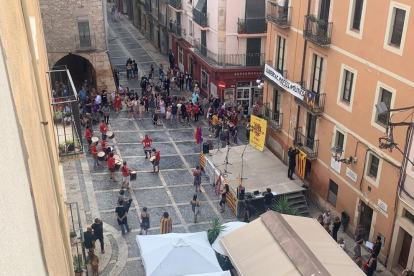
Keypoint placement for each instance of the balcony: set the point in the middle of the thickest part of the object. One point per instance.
(176, 4)
(66, 119)
(274, 119)
(86, 42)
(317, 31)
(279, 15)
(308, 146)
(227, 60)
(162, 20)
(200, 18)
(312, 102)
(176, 29)
(251, 26)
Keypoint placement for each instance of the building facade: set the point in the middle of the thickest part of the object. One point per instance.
(328, 63)
(35, 231)
(76, 37)
(220, 41)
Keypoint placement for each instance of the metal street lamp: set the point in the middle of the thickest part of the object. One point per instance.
(337, 153)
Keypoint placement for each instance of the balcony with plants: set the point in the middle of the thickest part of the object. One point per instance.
(279, 15)
(252, 26)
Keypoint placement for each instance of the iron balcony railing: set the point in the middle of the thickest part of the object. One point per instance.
(317, 31)
(66, 115)
(313, 102)
(176, 4)
(274, 119)
(308, 146)
(200, 18)
(176, 29)
(85, 42)
(251, 26)
(228, 60)
(279, 15)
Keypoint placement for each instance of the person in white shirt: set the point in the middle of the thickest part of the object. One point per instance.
(327, 217)
(341, 243)
(98, 98)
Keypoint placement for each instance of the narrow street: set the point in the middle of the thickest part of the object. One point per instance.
(170, 190)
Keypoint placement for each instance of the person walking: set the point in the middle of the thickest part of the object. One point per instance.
(116, 77)
(117, 103)
(174, 113)
(195, 206)
(113, 11)
(292, 162)
(126, 175)
(121, 215)
(129, 70)
(110, 162)
(88, 135)
(98, 232)
(146, 144)
(196, 112)
(359, 239)
(327, 217)
(335, 228)
(135, 70)
(118, 12)
(223, 200)
(197, 179)
(103, 128)
(377, 246)
(89, 239)
(145, 221)
(248, 131)
(371, 265)
(166, 224)
(171, 58)
(156, 160)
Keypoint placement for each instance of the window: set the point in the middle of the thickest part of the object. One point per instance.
(157, 3)
(276, 100)
(408, 215)
(317, 73)
(347, 86)
(398, 27)
(190, 28)
(373, 166)
(339, 140)
(333, 192)
(84, 32)
(386, 97)
(204, 80)
(281, 42)
(357, 14)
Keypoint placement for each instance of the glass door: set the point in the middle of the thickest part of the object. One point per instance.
(243, 96)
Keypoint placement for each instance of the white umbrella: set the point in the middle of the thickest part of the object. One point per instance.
(177, 254)
(223, 273)
(231, 226)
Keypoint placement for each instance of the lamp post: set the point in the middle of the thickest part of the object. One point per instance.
(337, 153)
(260, 83)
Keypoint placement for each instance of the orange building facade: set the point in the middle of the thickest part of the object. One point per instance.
(328, 63)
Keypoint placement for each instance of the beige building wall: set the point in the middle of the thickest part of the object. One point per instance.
(61, 24)
(34, 236)
(375, 65)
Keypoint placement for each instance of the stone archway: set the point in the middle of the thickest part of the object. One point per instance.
(80, 68)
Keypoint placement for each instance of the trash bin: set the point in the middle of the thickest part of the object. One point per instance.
(206, 148)
(344, 220)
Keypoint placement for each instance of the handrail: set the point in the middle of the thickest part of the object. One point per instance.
(307, 145)
(252, 25)
(280, 15)
(317, 31)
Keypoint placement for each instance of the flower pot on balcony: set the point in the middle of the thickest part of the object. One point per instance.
(241, 31)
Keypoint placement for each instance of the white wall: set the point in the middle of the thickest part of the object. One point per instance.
(19, 237)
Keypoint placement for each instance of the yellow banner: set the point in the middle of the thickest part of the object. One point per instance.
(302, 164)
(257, 132)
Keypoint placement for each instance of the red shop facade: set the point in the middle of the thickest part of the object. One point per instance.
(241, 86)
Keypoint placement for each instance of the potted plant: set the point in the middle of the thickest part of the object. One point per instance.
(62, 147)
(57, 118)
(73, 237)
(78, 264)
(214, 230)
(283, 206)
(70, 144)
(312, 18)
(68, 118)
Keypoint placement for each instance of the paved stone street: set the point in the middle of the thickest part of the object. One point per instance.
(170, 190)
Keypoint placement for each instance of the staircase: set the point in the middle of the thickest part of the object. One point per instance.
(298, 201)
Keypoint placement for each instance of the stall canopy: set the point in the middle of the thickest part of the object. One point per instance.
(230, 227)
(223, 273)
(177, 254)
(286, 246)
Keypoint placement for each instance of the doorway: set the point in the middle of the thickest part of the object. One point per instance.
(365, 218)
(405, 250)
(253, 47)
(158, 40)
(310, 131)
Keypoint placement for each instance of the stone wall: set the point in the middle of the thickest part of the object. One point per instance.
(60, 23)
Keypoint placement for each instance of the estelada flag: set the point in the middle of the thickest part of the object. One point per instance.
(199, 135)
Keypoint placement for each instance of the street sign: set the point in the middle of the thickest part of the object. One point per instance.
(221, 85)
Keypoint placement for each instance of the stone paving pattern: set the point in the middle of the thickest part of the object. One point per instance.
(170, 190)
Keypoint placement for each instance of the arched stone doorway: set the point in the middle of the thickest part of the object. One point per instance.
(80, 69)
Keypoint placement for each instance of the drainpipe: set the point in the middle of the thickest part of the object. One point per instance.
(50, 143)
(105, 19)
(303, 62)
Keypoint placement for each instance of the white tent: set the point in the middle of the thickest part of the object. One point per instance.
(230, 227)
(177, 254)
(223, 273)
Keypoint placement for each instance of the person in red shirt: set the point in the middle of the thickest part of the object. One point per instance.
(146, 143)
(94, 151)
(196, 112)
(88, 135)
(103, 129)
(110, 162)
(125, 175)
(103, 145)
(189, 112)
(157, 159)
